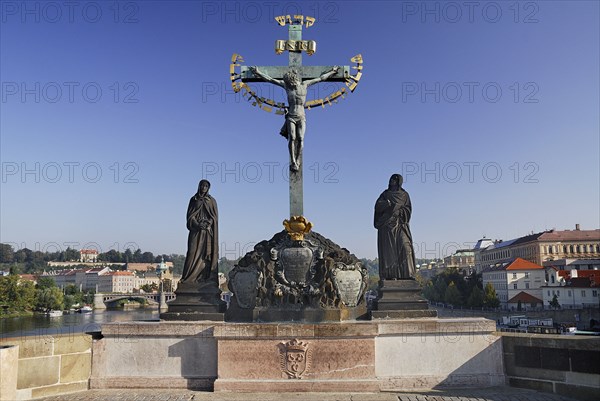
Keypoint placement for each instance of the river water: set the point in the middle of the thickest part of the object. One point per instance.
(71, 324)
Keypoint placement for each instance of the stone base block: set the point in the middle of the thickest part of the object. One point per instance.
(403, 314)
(400, 299)
(196, 301)
(133, 382)
(296, 357)
(298, 386)
(193, 316)
(419, 354)
(359, 356)
(289, 314)
(156, 355)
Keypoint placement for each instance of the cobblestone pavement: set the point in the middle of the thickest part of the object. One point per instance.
(490, 394)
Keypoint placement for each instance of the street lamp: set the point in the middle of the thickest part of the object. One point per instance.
(162, 267)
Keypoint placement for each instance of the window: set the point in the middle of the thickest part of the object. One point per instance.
(548, 292)
(526, 274)
(515, 286)
(526, 286)
(583, 293)
(552, 279)
(558, 293)
(514, 275)
(569, 293)
(594, 293)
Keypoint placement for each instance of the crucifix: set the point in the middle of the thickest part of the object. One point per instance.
(294, 79)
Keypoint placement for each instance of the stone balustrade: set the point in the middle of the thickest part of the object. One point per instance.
(48, 365)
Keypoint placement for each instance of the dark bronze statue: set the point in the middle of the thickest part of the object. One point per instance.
(295, 118)
(394, 240)
(203, 241)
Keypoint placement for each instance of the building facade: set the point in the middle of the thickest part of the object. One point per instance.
(463, 260)
(539, 248)
(121, 282)
(518, 280)
(572, 288)
(88, 256)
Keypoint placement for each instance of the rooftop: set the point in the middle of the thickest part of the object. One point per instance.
(525, 298)
(522, 264)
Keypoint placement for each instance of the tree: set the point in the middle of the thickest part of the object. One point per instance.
(16, 295)
(147, 257)
(45, 282)
(178, 261)
(71, 255)
(430, 293)
(149, 287)
(452, 295)
(111, 256)
(490, 299)
(225, 265)
(128, 256)
(440, 288)
(49, 299)
(6, 253)
(68, 301)
(554, 302)
(476, 298)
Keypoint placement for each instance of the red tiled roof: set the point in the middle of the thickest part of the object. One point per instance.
(121, 273)
(29, 277)
(89, 251)
(522, 264)
(580, 282)
(593, 275)
(525, 298)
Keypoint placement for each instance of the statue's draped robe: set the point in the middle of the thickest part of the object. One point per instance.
(203, 243)
(394, 240)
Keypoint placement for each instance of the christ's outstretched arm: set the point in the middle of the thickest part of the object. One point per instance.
(267, 78)
(324, 77)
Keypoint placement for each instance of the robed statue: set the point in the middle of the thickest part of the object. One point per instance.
(203, 240)
(394, 240)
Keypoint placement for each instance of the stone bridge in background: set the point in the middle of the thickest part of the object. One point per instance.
(100, 299)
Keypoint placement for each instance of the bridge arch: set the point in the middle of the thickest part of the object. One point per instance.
(100, 299)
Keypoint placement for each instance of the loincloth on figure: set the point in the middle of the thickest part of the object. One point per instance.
(292, 118)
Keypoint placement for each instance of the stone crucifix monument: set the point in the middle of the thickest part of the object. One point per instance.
(297, 275)
(295, 79)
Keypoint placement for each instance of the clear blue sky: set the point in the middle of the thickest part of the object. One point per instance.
(452, 96)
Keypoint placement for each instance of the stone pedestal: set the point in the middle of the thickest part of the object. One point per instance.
(162, 302)
(196, 301)
(367, 356)
(290, 314)
(400, 299)
(155, 355)
(326, 357)
(99, 301)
